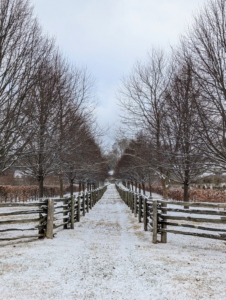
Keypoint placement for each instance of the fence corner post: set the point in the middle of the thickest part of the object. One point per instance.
(50, 214)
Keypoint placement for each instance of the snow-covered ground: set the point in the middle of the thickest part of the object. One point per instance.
(109, 256)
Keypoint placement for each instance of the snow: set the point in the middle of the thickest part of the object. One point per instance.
(18, 174)
(109, 256)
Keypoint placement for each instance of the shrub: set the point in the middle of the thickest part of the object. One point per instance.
(196, 195)
(10, 193)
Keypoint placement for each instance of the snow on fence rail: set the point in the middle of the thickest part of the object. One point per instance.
(162, 216)
(47, 215)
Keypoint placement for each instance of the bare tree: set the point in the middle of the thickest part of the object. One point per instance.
(117, 150)
(142, 100)
(76, 104)
(136, 164)
(21, 51)
(185, 160)
(77, 155)
(42, 109)
(204, 48)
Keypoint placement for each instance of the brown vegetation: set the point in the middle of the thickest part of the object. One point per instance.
(195, 195)
(26, 193)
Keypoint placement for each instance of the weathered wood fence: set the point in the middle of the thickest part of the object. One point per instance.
(48, 215)
(160, 216)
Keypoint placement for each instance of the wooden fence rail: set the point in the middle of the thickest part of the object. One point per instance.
(161, 217)
(42, 219)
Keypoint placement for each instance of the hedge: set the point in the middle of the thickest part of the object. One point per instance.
(10, 193)
(195, 195)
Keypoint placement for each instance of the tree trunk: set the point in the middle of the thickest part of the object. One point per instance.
(186, 193)
(150, 189)
(143, 187)
(149, 183)
(41, 186)
(71, 187)
(164, 188)
(61, 185)
(80, 187)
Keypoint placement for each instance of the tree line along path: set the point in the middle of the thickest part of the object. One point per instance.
(109, 256)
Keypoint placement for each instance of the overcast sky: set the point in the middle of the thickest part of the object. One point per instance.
(108, 36)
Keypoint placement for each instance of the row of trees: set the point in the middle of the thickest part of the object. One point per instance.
(46, 104)
(174, 106)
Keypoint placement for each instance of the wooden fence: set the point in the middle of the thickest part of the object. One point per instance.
(42, 219)
(160, 216)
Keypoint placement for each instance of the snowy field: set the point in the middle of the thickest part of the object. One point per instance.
(109, 256)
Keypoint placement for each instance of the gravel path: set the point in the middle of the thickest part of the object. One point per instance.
(109, 256)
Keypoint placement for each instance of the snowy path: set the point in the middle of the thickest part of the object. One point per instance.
(109, 256)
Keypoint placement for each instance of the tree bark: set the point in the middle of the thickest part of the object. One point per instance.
(61, 185)
(150, 189)
(41, 186)
(186, 193)
(164, 188)
(71, 187)
(143, 186)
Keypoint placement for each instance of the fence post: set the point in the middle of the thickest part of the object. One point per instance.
(164, 234)
(129, 199)
(83, 204)
(72, 212)
(145, 215)
(44, 207)
(139, 209)
(97, 195)
(65, 202)
(132, 202)
(87, 201)
(135, 205)
(155, 222)
(78, 208)
(91, 199)
(50, 214)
